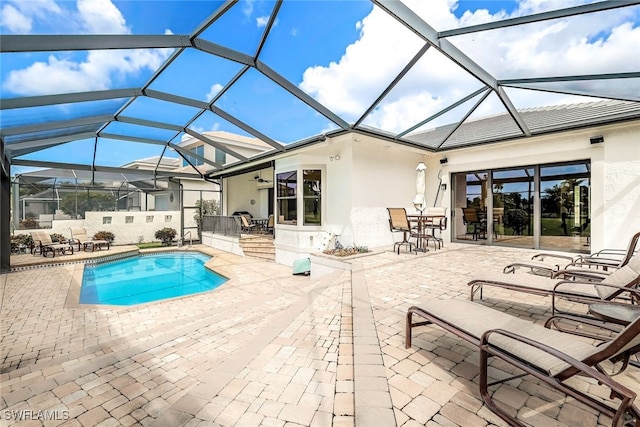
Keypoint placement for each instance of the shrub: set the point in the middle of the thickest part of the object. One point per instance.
(21, 241)
(349, 250)
(166, 235)
(57, 237)
(104, 235)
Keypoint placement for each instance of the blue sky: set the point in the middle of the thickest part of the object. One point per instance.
(342, 53)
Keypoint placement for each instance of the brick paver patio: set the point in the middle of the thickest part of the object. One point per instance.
(266, 349)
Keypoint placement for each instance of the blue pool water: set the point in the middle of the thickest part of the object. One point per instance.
(148, 278)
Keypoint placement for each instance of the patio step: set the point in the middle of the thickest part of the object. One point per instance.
(258, 246)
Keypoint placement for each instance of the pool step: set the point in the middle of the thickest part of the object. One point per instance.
(258, 246)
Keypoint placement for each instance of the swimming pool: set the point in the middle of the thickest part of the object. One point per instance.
(148, 278)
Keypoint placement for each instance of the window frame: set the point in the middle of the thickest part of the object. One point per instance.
(300, 198)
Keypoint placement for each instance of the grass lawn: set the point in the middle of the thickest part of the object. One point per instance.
(149, 245)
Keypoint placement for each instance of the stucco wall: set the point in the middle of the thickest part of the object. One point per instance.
(141, 229)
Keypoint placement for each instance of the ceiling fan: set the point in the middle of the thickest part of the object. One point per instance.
(257, 178)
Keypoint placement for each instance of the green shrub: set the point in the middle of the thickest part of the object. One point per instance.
(57, 237)
(104, 235)
(20, 241)
(166, 235)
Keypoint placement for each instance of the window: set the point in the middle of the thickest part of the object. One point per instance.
(287, 197)
(167, 218)
(106, 220)
(149, 218)
(199, 150)
(221, 157)
(128, 219)
(310, 198)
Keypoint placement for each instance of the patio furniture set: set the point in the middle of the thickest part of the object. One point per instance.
(558, 351)
(249, 224)
(45, 246)
(421, 227)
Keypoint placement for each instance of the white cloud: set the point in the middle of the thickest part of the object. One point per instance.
(556, 47)
(101, 17)
(262, 21)
(98, 70)
(14, 20)
(215, 89)
(18, 16)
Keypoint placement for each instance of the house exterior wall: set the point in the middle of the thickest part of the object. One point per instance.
(371, 175)
(615, 173)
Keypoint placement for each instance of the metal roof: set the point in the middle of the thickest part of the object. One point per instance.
(96, 120)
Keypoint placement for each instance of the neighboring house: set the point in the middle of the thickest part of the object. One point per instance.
(244, 191)
(578, 185)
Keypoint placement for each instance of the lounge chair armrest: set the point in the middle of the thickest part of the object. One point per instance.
(635, 292)
(634, 297)
(543, 255)
(582, 273)
(607, 328)
(599, 262)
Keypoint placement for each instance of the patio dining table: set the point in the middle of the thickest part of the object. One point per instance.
(422, 223)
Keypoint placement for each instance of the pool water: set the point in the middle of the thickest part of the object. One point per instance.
(148, 278)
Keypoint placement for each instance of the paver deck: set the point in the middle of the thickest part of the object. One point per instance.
(265, 349)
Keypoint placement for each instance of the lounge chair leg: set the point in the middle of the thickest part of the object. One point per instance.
(407, 335)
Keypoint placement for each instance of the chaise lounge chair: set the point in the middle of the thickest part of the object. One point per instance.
(80, 238)
(44, 245)
(604, 260)
(574, 290)
(548, 355)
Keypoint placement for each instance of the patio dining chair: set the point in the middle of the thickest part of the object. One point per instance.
(246, 226)
(399, 223)
(549, 355)
(471, 217)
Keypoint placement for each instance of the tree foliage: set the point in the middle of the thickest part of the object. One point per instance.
(87, 201)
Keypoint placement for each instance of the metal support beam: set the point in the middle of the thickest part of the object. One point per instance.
(301, 95)
(538, 17)
(57, 165)
(56, 43)
(68, 98)
(5, 212)
(60, 124)
(413, 22)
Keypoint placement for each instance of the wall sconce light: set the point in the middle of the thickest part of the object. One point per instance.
(336, 158)
(443, 187)
(443, 161)
(596, 139)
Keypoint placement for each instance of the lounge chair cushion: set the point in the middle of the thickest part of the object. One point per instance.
(475, 319)
(620, 277)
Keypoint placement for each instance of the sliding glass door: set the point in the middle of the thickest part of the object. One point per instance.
(512, 211)
(565, 203)
(545, 206)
